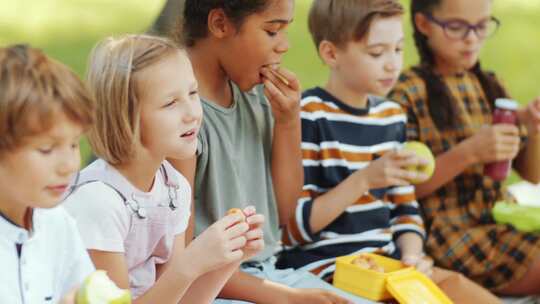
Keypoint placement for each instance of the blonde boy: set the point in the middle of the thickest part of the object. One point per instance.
(44, 109)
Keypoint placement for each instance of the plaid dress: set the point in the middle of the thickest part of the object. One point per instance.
(462, 233)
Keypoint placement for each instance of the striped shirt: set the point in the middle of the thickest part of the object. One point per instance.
(337, 140)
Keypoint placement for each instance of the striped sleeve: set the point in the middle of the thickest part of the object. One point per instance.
(405, 215)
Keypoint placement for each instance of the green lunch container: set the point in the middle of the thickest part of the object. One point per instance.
(523, 218)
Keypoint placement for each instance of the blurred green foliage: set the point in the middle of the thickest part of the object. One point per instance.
(67, 30)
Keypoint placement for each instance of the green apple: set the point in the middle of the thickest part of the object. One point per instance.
(99, 289)
(422, 151)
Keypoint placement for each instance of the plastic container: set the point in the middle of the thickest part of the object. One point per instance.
(364, 282)
(399, 282)
(413, 287)
(505, 112)
(523, 218)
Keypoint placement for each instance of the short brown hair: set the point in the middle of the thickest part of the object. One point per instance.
(113, 67)
(342, 21)
(33, 89)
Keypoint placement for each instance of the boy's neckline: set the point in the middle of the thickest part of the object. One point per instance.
(327, 96)
(28, 220)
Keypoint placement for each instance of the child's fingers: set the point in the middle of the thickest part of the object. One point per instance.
(291, 78)
(255, 220)
(411, 260)
(255, 245)
(505, 152)
(411, 160)
(403, 154)
(274, 95)
(507, 129)
(398, 182)
(254, 234)
(236, 230)
(407, 176)
(249, 211)
(275, 80)
(229, 220)
(425, 265)
(507, 144)
(416, 176)
(237, 243)
(509, 140)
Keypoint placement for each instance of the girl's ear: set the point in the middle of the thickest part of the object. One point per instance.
(219, 25)
(328, 53)
(422, 24)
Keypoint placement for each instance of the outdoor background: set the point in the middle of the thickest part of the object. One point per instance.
(68, 29)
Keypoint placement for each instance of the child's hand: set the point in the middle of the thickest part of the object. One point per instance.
(530, 117)
(254, 236)
(423, 263)
(282, 89)
(493, 143)
(218, 245)
(315, 296)
(389, 170)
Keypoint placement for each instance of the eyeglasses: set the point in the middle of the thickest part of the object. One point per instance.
(459, 29)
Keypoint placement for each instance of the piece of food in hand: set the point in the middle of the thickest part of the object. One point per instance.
(279, 76)
(367, 262)
(421, 150)
(99, 289)
(237, 211)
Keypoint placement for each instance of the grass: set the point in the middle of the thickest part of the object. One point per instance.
(67, 30)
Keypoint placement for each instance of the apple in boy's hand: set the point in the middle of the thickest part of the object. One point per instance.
(421, 150)
(99, 289)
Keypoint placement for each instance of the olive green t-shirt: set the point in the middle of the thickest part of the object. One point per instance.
(233, 163)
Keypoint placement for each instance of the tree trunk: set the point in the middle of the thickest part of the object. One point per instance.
(168, 19)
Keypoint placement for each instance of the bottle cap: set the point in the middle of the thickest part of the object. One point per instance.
(507, 104)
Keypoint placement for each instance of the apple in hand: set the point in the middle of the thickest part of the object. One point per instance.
(99, 289)
(424, 152)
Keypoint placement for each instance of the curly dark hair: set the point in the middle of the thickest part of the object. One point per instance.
(195, 21)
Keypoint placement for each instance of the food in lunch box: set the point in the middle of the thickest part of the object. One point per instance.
(367, 262)
(238, 211)
(99, 289)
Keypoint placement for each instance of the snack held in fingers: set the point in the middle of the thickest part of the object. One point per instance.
(237, 211)
(99, 289)
(421, 150)
(279, 76)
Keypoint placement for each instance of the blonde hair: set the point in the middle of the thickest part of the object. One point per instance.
(34, 89)
(342, 21)
(114, 64)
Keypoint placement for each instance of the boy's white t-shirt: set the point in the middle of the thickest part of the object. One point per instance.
(50, 263)
(107, 224)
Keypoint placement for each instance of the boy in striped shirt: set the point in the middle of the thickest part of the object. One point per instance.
(357, 195)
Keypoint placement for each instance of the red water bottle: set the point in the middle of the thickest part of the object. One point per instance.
(505, 112)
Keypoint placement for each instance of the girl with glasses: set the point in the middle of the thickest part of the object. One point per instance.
(450, 99)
